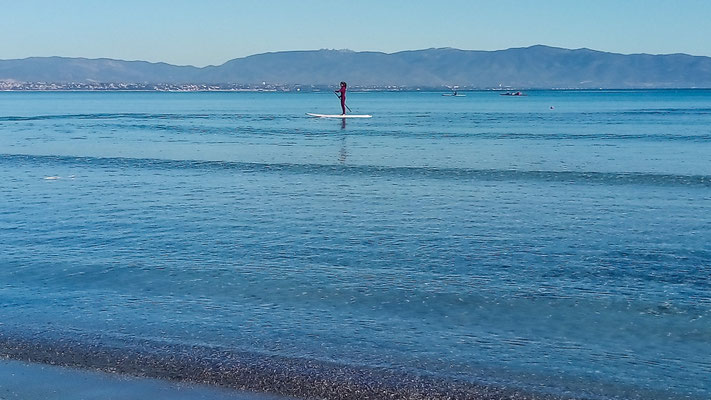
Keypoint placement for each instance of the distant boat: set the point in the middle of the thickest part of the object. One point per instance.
(512, 94)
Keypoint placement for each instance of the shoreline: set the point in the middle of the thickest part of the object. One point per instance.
(146, 369)
(33, 381)
(278, 376)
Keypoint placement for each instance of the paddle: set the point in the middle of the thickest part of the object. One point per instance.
(349, 109)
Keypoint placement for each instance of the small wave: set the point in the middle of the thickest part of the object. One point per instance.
(571, 177)
(650, 137)
(110, 116)
(669, 111)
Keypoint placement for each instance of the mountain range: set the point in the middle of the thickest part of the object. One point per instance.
(530, 67)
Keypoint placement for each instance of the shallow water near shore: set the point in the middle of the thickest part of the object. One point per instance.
(554, 244)
(25, 381)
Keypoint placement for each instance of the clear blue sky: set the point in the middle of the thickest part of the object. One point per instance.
(203, 32)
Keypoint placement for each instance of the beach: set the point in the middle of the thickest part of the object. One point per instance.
(21, 380)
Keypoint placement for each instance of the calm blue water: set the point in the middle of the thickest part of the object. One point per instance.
(489, 239)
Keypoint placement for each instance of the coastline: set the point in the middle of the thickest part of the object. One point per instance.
(35, 367)
(270, 375)
(31, 381)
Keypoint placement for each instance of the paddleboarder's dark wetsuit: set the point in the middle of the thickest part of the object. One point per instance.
(342, 95)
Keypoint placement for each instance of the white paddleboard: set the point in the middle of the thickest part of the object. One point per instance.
(339, 115)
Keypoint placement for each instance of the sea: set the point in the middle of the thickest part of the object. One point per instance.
(552, 245)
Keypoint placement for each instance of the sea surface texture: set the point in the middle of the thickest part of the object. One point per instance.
(553, 245)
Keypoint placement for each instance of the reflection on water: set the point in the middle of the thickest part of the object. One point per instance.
(343, 153)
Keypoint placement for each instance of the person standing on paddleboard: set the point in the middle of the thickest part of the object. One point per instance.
(341, 93)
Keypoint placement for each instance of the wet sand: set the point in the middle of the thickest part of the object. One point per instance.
(27, 381)
(170, 366)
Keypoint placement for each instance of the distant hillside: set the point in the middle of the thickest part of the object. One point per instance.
(531, 67)
(65, 70)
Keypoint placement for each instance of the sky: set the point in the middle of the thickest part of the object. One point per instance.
(211, 32)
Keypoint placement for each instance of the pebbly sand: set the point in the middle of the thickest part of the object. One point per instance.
(28, 381)
(226, 374)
